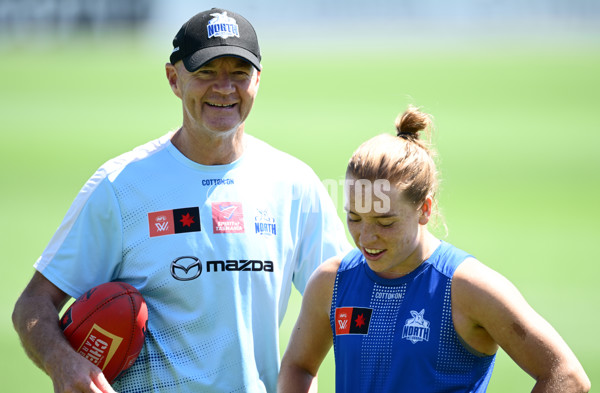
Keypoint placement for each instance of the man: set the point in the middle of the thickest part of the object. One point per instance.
(209, 223)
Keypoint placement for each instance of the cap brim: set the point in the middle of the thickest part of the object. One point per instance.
(203, 56)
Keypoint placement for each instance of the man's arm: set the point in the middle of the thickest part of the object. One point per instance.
(488, 310)
(35, 318)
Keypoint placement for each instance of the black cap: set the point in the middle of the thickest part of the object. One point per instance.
(215, 33)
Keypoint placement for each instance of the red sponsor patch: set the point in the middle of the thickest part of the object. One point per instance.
(227, 217)
(168, 222)
(161, 223)
(352, 320)
(342, 320)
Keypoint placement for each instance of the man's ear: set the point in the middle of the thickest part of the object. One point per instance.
(425, 210)
(173, 78)
(258, 78)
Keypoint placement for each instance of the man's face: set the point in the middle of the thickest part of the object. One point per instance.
(219, 95)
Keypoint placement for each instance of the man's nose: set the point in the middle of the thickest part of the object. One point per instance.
(224, 84)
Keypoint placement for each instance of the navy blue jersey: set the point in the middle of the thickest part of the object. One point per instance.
(397, 335)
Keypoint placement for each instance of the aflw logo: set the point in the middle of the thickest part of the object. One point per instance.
(162, 226)
(169, 222)
(352, 320)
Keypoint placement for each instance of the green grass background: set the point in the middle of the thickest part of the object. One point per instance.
(517, 129)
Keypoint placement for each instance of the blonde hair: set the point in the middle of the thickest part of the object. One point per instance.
(406, 160)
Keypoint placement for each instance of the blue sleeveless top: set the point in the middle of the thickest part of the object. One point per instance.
(397, 335)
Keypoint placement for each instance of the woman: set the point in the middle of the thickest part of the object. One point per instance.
(405, 311)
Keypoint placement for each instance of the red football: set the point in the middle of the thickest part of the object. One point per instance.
(107, 326)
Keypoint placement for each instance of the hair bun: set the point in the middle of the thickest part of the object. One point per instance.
(410, 123)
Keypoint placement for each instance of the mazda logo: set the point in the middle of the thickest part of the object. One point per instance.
(182, 266)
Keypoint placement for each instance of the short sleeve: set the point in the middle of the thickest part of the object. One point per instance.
(323, 235)
(86, 250)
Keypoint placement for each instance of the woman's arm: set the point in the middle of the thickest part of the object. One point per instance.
(488, 311)
(311, 338)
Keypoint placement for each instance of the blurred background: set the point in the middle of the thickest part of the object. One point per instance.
(24, 20)
(513, 86)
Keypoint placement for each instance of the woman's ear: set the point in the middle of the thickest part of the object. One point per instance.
(425, 210)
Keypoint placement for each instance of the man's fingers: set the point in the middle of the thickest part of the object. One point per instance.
(101, 385)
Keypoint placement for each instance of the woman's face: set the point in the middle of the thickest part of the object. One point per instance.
(385, 226)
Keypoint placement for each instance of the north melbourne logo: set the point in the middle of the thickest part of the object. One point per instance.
(222, 26)
(416, 329)
(264, 223)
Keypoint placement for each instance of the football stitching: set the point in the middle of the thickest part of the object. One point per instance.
(107, 300)
(131, 333)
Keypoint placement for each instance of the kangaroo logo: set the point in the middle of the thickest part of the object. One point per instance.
(222, 26)
(416, 329)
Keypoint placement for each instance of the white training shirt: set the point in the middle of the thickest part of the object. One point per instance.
(217, 285)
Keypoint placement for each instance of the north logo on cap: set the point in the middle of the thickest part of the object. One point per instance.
(215, 33)
(222, 26)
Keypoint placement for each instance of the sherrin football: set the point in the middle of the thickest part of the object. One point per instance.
(107, 326)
